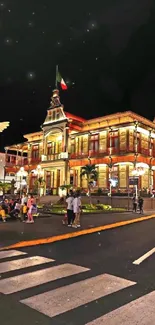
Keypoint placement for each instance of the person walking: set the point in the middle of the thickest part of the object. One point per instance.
(30, 201)
(70, 213)
(32, 209)
(140, 203)
(134, 203)
(31, 212)
(77, 210)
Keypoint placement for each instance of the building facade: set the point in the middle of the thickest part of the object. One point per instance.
(121, 145)
(2, 166)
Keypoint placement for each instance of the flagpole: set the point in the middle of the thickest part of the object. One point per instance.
(56, 81)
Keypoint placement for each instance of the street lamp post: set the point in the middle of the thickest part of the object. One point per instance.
(21, 173)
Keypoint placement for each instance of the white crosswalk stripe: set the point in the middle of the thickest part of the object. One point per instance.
(12, 253)
(23, 263)
(138, 312)
(32, 279)
(63, 299)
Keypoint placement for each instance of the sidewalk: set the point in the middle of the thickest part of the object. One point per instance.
(15, 231)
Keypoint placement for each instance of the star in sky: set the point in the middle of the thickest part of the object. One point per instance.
(93, 25)
(31, 24)
(2, 6)
(31, 75)
(8, 41)
(59, 43)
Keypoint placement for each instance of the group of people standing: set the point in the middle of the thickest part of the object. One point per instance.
(74, 209)
(23, 208)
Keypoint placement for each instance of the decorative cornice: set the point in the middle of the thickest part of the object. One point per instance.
(120, 115)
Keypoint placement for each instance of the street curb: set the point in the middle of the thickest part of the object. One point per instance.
(48, 240)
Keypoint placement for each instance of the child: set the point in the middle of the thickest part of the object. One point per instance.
(3, 214)
(65, 220)
(24, 212)
(17, 209)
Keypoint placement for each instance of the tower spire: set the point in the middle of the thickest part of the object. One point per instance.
(55, 99)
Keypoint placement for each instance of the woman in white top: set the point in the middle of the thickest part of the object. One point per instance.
(77, 210)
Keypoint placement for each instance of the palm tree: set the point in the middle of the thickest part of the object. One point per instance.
(5, 187)
(39, 183)
(66, 188)
(91, 174)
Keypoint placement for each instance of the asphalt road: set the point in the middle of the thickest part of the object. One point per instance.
(12, 232)
(89, 280)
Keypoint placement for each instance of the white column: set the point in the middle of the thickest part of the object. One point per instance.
(65, 136)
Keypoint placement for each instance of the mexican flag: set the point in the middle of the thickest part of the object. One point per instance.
(60, 80)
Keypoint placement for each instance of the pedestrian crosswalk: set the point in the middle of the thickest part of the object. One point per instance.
(12, 253)
(72, 295)
(63, 299)
(23, 263)
(139, 312)
(32, 279)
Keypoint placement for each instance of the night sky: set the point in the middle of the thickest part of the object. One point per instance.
(105, 51)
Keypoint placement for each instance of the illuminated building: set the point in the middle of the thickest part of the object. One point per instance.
(121, 145)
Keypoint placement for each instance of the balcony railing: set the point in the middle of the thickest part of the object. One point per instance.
(78, 155)
(90, 153)
(56, 156)
(53, 156)
(12, 160)
(110, 151)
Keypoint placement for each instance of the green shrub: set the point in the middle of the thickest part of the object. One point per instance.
(40, 206)
(88, 208)
(103, 206)
(119, 209)
(58, 211)
(58, 205)
(99, 191)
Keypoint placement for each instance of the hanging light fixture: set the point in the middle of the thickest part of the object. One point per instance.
(141, 172)
(134, 172)
(138, 172)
